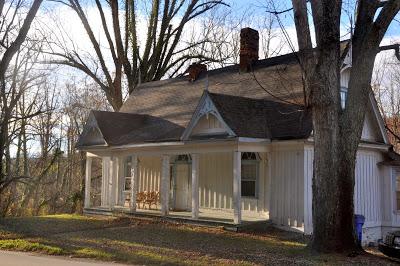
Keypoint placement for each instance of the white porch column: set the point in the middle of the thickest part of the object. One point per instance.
(104, 182)
(111, 181)
(237, 191)
(88, 177)
(134, 182)
(165, 179)
(117, 186)
(195, 186)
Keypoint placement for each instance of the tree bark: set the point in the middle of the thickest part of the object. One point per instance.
(337, 132)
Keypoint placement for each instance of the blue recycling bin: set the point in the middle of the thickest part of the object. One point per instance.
(358, 224)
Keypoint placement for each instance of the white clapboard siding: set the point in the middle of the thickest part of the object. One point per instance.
(287, 187)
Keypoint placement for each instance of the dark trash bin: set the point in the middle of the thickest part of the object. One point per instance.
(358, 224)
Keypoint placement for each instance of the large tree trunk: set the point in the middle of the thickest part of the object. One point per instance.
(337, 132)
(351, 125)
(324, 84)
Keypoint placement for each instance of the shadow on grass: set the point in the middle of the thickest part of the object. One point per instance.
(155, 243)
(54, 224)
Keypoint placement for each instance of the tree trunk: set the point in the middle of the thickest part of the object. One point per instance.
(326, 145)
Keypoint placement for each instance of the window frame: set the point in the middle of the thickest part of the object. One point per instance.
(127, 174)
(256, 163)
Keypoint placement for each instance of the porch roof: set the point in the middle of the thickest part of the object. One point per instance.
(115, 128)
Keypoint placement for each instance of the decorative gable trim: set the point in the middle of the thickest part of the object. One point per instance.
(205, 106)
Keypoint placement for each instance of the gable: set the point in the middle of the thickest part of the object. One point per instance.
(206, 121)
(373, 128)
(91, 134)
(370, 130)
(209, 125)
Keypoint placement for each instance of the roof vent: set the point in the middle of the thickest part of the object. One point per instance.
(195, 70)
(248, 48)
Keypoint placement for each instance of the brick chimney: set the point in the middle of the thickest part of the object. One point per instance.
(248, 48)
(195, 70)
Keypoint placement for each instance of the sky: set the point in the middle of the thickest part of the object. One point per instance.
(258, 9)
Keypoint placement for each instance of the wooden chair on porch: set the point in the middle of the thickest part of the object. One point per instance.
(140, 199)
(152, 198)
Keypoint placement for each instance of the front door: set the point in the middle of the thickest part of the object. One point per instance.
(181, 189)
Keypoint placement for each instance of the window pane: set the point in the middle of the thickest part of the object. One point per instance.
(127, 185)
(127, 166)
(249, 171)
(248, 188)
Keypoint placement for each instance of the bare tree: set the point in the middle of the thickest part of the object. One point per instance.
(337, 132)
(386, 80)
(221, 27)
(14, 28)
(161, 50)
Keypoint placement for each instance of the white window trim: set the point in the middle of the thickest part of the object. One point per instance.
(255, 162)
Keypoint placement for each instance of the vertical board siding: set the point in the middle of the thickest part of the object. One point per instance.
(149, 173)
(367, 192)
(389, 214)
(215, 181)
(287, 189)
(367, 189)
(345, 78)
(308, 174)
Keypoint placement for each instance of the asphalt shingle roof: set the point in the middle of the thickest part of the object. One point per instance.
(160, 110)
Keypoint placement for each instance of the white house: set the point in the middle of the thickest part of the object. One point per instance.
(231, 145)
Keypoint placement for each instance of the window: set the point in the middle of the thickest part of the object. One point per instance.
(343, 97)
(127, 172)
(250, 165)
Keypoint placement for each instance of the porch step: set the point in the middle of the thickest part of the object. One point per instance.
(248, 226)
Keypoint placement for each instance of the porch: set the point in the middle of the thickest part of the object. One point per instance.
(206, 186)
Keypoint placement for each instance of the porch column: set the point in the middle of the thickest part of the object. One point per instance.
(111, 181)
(165, 176)
(88, 177)
(237, 191)
(105, 175)
(195, 186)
(117, 181)
(134, 182)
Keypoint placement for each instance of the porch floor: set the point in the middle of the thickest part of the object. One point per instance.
(208, 216)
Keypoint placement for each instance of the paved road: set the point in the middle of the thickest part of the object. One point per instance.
(11, 258)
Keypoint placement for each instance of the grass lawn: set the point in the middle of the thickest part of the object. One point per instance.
(147, 242)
